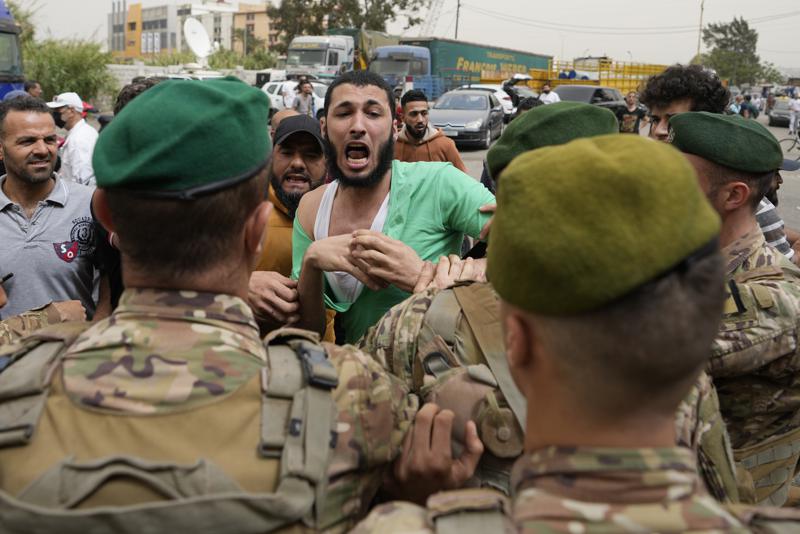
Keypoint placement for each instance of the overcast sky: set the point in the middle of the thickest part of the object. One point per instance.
(667, 29)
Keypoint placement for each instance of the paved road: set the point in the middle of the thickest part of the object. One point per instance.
(789, 195)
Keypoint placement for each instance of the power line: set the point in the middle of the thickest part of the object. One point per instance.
(611, 30)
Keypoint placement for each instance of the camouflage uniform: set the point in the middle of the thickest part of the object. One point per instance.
(23, 324)
(176, 376)
(430, 321)
(571, 490)
(755, 363)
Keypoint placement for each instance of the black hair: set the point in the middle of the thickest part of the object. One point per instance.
(695, 82)
(414, 95)
(24, 103)
(30, 84)
(361, 78)
(131, 91)
(748, 98)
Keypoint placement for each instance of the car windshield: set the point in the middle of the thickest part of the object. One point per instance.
(781, 104)
(389, 66)
(10, 63)
(305, 57)
(462, 101)
(575, 94)
(320, 90)
(525, 92)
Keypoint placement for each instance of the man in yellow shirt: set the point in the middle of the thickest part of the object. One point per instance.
(298, 165)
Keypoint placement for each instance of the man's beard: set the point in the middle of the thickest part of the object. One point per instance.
(291, 200)
(385, 157)
(413, 132)
(27, 177)
(772, 196)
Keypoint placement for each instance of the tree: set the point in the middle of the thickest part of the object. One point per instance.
(771, 74)
(250, 43)
(733, 51)
(61, 65)
(311, 17)
(24, 17)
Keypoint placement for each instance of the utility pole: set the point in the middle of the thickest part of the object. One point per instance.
(458, 13)
(700, 29)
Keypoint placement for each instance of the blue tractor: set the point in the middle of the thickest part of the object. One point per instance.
(11, 77)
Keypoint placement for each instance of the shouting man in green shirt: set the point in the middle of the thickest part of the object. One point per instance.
(360, 243)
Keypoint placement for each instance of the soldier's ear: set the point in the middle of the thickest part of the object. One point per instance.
(518, 339)
(255, 230)
(101, 211)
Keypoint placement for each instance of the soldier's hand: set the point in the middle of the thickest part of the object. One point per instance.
(389, 259)
(426, 465)
(67, 310)
(273, 298)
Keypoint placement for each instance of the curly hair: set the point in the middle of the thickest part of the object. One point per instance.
(695, 82)
(138, 86)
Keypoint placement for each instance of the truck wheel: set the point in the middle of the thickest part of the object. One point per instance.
(487, 141)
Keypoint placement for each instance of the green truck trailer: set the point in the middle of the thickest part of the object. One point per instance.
(438, 65)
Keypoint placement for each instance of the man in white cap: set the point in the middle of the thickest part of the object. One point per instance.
(76, 153)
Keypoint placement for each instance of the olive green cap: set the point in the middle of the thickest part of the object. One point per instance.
(727, 140)
(552, 124)
(184, 138)
(580, 225)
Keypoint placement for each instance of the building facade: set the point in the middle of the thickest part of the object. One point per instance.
(137, 31)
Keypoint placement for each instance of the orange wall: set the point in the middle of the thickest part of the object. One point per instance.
(133, 38)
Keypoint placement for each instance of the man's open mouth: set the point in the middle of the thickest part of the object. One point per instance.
(356, 155)
(296, 179)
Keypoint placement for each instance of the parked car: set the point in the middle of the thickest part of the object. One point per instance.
(471, 116)
(779, 114)
(276, 92)
(503, 97)
(606, 97)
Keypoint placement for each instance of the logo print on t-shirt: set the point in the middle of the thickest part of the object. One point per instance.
(83, 234)
(67, 251)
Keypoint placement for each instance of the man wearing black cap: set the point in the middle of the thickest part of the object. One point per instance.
(298, 166)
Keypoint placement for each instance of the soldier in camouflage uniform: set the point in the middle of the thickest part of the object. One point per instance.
(433, 323)
(598, 354)
(23, 324)
(754, 361)
(172, 415)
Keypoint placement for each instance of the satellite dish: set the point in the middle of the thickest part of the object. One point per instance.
(197, 39)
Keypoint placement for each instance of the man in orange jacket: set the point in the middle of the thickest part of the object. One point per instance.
(418, 140)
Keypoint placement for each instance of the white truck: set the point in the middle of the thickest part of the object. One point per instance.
(324, 56)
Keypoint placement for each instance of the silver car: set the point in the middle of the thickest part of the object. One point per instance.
(469, 116)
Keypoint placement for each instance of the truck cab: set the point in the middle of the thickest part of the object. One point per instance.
(395, 63)
(11, 76)
(325, 56)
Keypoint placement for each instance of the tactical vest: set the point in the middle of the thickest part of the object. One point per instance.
(773, 462)
(298, 419)
(449, 349)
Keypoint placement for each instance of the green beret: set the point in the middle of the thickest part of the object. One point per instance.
(552, 124)
(582, 224)
(728, 140)
(182, 138)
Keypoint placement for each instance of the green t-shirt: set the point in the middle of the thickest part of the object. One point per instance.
(431, 207)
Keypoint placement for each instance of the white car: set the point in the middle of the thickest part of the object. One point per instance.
(281, 95)
(502, 96)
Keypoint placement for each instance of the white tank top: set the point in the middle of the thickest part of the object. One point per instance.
(345, 286)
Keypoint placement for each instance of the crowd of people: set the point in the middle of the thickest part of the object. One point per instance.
(215, 319)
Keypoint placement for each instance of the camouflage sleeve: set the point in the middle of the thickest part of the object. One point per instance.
(392, 342)
(19, 326)
(700, 427)
(395, 516)
(758, 327)
(375, 412)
